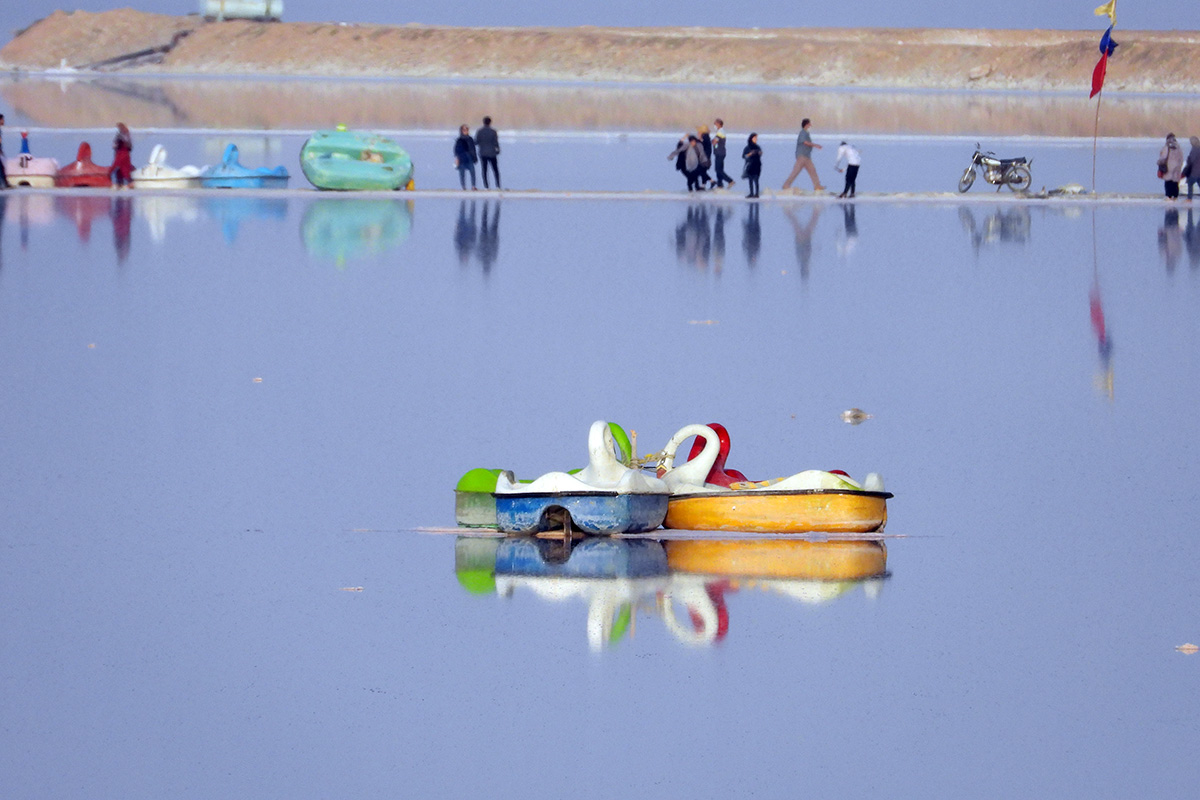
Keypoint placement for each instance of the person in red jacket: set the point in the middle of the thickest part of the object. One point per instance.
(122, 165)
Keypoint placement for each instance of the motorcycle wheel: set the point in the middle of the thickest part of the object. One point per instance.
(1018, 178)
(967, 180)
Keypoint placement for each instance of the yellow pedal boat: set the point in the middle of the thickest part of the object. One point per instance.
(807, 502)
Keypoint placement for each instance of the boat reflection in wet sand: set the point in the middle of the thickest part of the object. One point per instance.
(618, 577)
(611, 576)
(704, 571)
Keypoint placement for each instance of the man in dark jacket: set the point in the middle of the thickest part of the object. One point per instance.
(487, 143)
(464, 156)
(3, 174)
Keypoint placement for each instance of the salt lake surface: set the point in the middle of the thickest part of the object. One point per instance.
(220, 411)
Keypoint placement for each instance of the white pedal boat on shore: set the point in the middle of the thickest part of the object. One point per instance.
(157, 174)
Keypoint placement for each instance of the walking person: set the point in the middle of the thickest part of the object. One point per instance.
(804, 148)
(752, 155)
(688, 159)
(1170, 166)
(488, 146)
(465, 157)
(3, 174)
(850, 153)
(718, 143)
(121, 171)
(705, 162)
(1191, 168)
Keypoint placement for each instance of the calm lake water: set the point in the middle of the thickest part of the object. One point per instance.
(219, 412)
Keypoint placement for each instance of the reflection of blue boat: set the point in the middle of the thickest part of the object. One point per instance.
(591, 558)
(230, 174)
(340, 230)
(231, 210)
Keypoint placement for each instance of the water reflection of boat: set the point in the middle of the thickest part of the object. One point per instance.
(231, 211)
(158, 209)
(83, 211)
(704, 571)
(341, 230)
(611, 575)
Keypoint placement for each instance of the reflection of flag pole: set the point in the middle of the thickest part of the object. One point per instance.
(1107, 48)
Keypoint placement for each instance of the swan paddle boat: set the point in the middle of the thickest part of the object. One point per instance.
(230, 174)
(613, 576)
(83, 172)
(343, 160)
(604, 497)
(29, 170)
(158, 175)
(807, 502)
(703, 571)
(474, 496)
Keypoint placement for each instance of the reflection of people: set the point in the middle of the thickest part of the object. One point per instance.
(1170, 239)
(1191, 239)
(122, 165)
(489, 237)
(122, 222)
(1170, 164)
(487, 143)
(465, 233)
(465, 156)
(804, 148)
(850, 228)
(752, 155)
(719, 239)
(804, 234)
(850, 154)
(751, 236)
(693, 242)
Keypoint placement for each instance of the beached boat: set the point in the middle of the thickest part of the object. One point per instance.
(30, 170)
(474, 496)
(343, 160)
(809, 501)
(604, 497)
(83, 172)
(158, 175)
(230, 174)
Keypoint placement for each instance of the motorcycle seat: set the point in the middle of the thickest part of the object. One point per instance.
(1007, 162)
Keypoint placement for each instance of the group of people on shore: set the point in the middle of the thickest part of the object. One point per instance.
(1173, 167)
(696, 152)
(468, 151)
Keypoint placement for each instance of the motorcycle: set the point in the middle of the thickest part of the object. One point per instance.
(1011, 172)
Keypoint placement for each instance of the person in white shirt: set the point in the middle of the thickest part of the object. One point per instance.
(850, 153)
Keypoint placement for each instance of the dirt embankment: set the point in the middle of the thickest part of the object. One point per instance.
(1147, 61)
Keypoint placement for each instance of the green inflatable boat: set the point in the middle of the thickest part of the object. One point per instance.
(343, 160)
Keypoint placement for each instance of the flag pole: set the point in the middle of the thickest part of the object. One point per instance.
(1095, 138)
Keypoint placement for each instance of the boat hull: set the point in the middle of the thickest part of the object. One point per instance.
(166, 183)
(32, 181)
(791, 559)
(348, 161)
(82, 180)
(591, 512)
(245, 182)
(823, 510)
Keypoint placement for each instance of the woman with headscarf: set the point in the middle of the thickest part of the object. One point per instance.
(1170, 166)
(752, 155)
(122, 165)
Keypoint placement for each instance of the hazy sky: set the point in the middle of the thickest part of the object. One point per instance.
(1165, 15)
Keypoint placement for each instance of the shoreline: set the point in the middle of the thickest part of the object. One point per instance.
(129, 43)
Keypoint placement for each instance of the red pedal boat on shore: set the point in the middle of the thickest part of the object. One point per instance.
(83, 172)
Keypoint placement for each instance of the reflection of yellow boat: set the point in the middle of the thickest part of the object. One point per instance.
(825, 510)
(779, 558)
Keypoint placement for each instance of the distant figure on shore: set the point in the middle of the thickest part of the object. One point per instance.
(1170, 166)
(3, 174)
(804, 148)
(718, 140)
(1191, 169)
(465, 157)
(851, 155)
(688, 159)
(488, 144)
(706, 148)
(122, 164)
(752, 155)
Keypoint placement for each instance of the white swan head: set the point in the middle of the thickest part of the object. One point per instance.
(693, 473)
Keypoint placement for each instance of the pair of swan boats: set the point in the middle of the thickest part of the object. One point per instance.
(612, 494)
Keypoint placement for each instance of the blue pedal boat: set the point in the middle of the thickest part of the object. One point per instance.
(230, 174)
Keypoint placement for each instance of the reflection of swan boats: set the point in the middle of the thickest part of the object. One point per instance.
(703, 570)
(475, 498)
(606, 496)
(611, 575)
(157, 174)
(83, 171)
(343, 160)
(230, 174)
(809, 501)
(343, 229)
(231, 211)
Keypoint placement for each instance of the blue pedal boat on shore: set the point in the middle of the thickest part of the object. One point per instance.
(230, 174)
